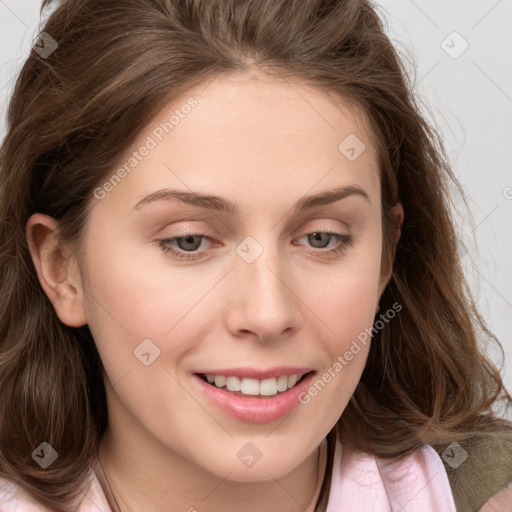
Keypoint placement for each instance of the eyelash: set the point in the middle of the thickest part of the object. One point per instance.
(345, 241)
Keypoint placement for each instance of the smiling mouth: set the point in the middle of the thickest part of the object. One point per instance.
(255, 388)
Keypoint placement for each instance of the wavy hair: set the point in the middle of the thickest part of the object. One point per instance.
(72, 115)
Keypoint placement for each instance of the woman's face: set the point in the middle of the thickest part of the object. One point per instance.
(260, 296)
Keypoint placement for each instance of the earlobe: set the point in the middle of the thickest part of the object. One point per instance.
(56, 270)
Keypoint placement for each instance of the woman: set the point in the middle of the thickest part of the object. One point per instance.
(316, 346)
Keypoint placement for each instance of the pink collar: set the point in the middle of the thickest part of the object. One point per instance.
(364, 482)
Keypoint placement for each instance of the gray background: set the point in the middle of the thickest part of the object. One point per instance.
(467, 95)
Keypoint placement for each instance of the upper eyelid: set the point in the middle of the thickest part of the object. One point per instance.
(306, 230)
(325, 229)
(212, 239)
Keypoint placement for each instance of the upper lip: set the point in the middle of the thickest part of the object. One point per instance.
(255, 373)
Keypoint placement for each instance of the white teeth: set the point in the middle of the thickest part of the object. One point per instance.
(265, 387)
(282, 383)
(250, 386)
(268, 387)
(220, 381)
(292, 380)
(233, 384)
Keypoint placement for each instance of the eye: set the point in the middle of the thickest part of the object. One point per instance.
(318, 240)
(187, 245)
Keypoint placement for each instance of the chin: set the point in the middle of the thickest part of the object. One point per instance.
(276, 464)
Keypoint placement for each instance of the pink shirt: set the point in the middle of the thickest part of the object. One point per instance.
(360, 482)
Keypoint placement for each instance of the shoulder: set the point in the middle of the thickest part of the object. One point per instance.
(14, 498)
(500, 502)
(481, 475)
(415, 482)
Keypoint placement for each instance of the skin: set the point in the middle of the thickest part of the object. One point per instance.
(263, 144)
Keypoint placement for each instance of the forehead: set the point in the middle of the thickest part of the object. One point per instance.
(262, 111)
(253, 134)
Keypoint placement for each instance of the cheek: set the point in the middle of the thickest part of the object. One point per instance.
(349, 315)
(346, 299)
(133, 290)
(346, 303)
(349, 312)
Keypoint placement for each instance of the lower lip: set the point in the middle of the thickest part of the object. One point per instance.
(255, 410)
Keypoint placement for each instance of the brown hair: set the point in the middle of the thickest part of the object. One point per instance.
(75, 112)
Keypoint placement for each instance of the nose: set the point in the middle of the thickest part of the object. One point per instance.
(263, 301)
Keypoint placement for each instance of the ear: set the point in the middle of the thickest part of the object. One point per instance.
(398, 212)
(57, 270)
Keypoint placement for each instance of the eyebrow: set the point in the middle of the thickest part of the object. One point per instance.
(222, 205)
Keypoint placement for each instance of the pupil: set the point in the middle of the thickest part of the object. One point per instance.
(318, 236)
(189, 239)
